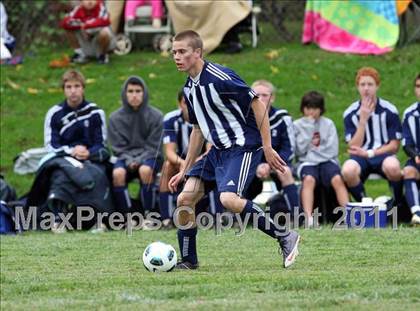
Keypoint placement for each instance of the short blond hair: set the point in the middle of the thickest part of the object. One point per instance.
(265, 83)
(72, 75)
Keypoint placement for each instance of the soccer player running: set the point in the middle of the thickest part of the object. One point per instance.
(411, 144)
(227, 113)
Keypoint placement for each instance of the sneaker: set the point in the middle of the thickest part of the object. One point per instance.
(167, 224)
(185, 265)
(103, 59)
(149, 225)
(98, 229)
(79, 58)
(289, 248)
(58, 228)
(415, 220)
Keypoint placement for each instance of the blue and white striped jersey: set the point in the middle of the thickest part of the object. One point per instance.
(282, 134)
(177, 130)
(65, 128)
(219, 101)
(383, 125)
(411, 127)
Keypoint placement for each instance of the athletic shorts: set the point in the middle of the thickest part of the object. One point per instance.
(230, 170)
(154, 164)
(371, 165)
(323, 172)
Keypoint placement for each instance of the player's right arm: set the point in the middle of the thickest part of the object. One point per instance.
(194, 149)
(366, 108)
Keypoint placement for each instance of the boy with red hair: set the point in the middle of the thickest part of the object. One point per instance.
(373, 133)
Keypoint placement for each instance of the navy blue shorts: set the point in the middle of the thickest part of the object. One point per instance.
(154, 164)
(230, 170)
(371, 165)
(323, 172)
(412, 162)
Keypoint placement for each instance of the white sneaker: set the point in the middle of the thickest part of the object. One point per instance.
(149, 225)
(98, 229)
(415, 220)
(289, 248)
(58, 228)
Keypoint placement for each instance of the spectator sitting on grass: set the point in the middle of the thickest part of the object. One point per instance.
(317, 152)
(88, 31)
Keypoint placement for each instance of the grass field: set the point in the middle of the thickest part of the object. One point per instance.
(371, 269)
(346, 270)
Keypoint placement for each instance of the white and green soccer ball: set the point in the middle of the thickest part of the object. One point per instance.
(159, 257)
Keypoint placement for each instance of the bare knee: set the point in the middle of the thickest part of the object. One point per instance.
(410, 172)
(232, 201)
(309, 182)
(391, 168)
(337, 181)
(146, 174)
(186, 199)
(351, 172)
(119, 177)
(286, 178)
(104, 34)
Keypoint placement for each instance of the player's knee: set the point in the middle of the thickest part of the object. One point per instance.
(146, 174)
(337, 181)
(410, 172)
(286, 178)
(228, 199)
(350, 170)
(118, 177)
(391, 168)
(186, 200)
(309, 182)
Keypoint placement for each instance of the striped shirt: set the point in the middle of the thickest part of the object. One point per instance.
(177, 130)
(219, 101)
(282, 134)
(65, 128)
(411, 127)
(383, 125)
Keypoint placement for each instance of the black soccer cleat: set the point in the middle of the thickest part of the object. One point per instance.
(186, 265)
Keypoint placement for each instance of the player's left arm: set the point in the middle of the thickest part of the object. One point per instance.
(391, 147)
(261, 118)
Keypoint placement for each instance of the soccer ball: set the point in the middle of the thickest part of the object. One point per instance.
(159, 257)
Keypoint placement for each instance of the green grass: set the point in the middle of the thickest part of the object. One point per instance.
(346, 270)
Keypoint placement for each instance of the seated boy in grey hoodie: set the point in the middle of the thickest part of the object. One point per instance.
(135, 134)
(316, 152)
